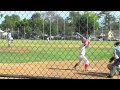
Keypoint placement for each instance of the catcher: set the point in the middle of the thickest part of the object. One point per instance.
(114, 62)
(83, 46)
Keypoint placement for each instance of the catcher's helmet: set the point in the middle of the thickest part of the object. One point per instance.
(117, 43)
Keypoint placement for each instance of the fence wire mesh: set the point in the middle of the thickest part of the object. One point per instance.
(46, 44)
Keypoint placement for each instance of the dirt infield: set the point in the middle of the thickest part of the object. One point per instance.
(12, 47)
(60, 69)
(59, 45)
(15, 49)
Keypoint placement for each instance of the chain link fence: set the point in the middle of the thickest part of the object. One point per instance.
(45, 44)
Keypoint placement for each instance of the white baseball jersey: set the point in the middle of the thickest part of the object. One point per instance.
(82, 54)
(82, 49)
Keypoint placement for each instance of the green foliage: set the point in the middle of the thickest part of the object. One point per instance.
(10, 21)
(108, 20)
(83, 23)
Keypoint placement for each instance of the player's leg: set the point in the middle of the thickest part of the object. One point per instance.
(109, 66)
(9, 43)
(118, 70)
(77, 64)
(112, 71)
(86, 63)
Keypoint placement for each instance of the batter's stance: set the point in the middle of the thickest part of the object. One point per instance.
(85, 43)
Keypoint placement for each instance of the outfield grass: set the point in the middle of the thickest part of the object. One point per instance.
(44, 53)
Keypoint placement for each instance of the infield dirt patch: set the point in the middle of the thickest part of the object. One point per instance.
(12, 49)
(60, 69)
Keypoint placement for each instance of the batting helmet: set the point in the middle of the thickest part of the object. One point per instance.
(84, 40)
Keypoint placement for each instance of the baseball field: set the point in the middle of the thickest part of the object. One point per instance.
(54, 58)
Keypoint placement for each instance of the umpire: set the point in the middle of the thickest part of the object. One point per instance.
(114, 61)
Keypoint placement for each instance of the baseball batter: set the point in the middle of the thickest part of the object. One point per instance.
(83, 46)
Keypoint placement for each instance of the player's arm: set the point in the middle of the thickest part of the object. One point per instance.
(87, 44)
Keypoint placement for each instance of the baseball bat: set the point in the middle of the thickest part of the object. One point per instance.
(80, 35)
(83, 36)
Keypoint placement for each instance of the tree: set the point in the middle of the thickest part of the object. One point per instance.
(49, 15)
(108, 19)
(72, 19)
(87, 22)
(50, 20)
(1, 15)
(82, 22)
(36, 24)
(10, 21)
(24, 28)
(59, 24)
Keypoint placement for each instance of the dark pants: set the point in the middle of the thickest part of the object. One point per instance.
(113, 68)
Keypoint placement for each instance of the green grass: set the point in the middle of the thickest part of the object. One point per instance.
(42, 53)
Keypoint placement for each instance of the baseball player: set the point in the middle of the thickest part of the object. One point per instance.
(85, 43)
(114, 61)
(10, 38)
